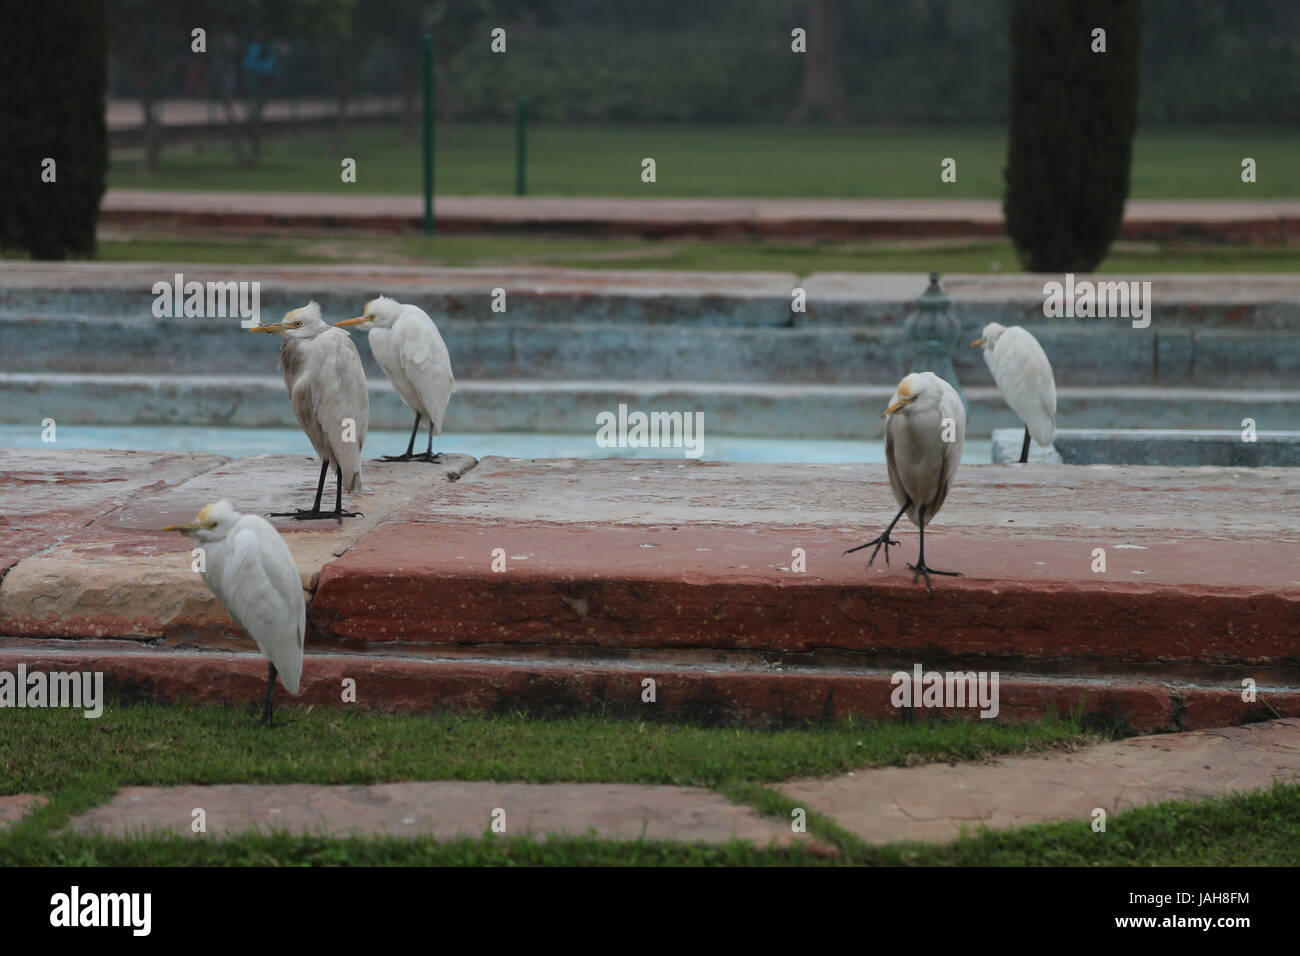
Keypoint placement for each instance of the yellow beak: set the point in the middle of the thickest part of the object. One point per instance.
(977, 342)
(357, 321)
(278, 327)
(192, 526)
(896, 406)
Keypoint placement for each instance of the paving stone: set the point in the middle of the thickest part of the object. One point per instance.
(935, 802)
(445, 810)
(15, 806)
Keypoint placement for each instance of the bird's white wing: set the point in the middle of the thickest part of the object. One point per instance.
(950, 406)
(1024, 377)
(261, 589)
(339, 394)
(895, 483)
(426, 363)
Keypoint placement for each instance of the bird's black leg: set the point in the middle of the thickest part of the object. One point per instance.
(338, 511)
(1024, 448)
(315, 508)
(428, 451)
(920, 566)
(410, 445)
(270, 696)
(884, 540)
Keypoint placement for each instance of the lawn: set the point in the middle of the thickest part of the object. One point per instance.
(80, 763)
(719, 160)
(800, 258)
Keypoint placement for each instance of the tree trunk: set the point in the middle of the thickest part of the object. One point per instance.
(152, 134)
(822, 97)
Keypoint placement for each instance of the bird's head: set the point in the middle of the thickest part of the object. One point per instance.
(212, 523)
(916, 391)
(992, 332)
(380, 312)
(303, 323)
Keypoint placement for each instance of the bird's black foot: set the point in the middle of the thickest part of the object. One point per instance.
(340, 515)
(919, 568)
(306, 514)
(884, 541)
(422, 456)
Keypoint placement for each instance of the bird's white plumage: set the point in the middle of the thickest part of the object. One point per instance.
(922, 464)
(250, 570)
(1023, 375)
(327, 387)
(408, 347)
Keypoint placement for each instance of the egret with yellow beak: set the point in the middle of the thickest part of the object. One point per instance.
(249, 568)
(925, 429)
(408, 347)
(1023, 375)
(327, 388)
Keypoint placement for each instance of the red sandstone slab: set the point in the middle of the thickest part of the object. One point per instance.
(623, 553)
(124, 577)
(704, 694)
(45, 496)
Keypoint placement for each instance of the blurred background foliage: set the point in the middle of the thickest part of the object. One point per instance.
(899, 61)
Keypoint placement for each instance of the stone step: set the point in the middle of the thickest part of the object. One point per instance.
(735, 409)
(718, 693)
(532, 346)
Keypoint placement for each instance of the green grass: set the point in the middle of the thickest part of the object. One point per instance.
(80, 763)
(720, 160)
(800, 258)
(148, 744)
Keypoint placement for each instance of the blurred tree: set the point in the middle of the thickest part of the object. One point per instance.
(1073, 115)
(251, 49)
(822, 96)
(150, 42)
(53, 109)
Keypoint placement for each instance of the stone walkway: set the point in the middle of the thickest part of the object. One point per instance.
(930, 803)
(1260, 220)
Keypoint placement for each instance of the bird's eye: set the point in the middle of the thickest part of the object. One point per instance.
(297, 325)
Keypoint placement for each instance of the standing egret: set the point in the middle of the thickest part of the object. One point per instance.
(249, 568)
(925, 430)
(327, 386)
(1023, 375)
(407, 346)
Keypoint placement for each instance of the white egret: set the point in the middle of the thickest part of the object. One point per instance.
(925, 430)
(407, 346)
(249, 568)
(1023, 375)
(327, 387)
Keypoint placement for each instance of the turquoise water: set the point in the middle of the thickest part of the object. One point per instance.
(241, 442)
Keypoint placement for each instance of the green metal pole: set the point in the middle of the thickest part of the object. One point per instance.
(426, 99)
(521, 144)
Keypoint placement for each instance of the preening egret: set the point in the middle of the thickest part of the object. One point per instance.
(327, 386)
(925, 430)
(407, 346)
(1024, 377)
(250, 570)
